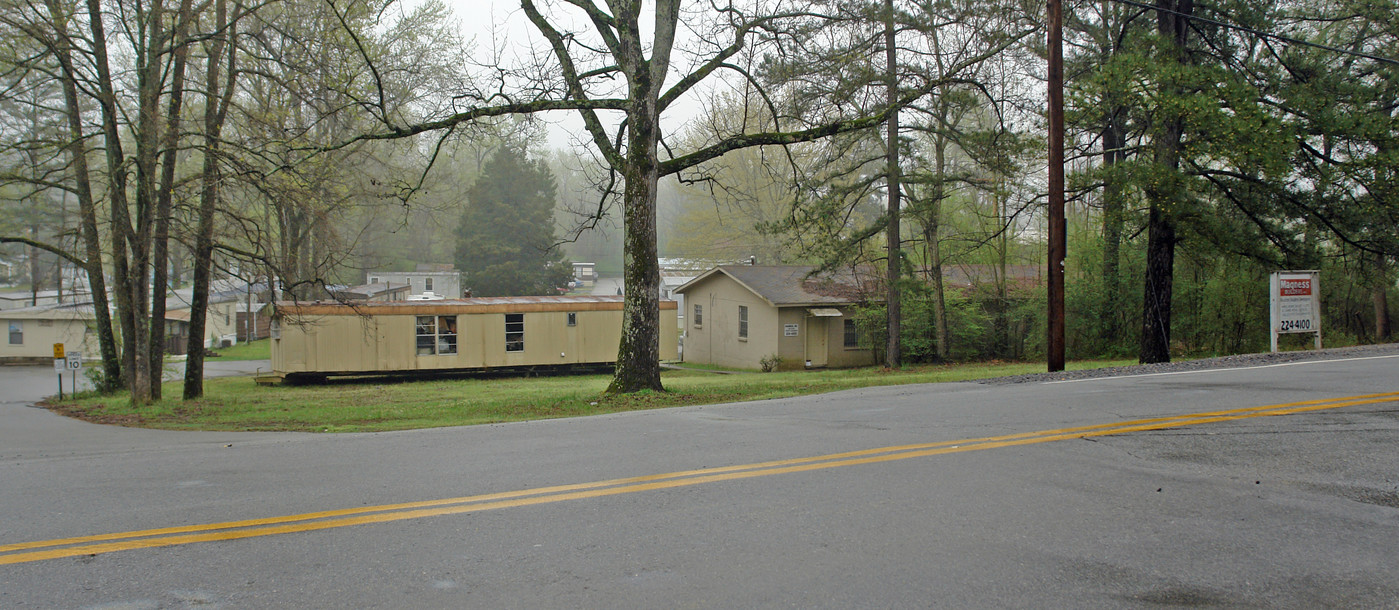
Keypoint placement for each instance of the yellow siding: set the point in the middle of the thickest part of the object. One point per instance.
(349, 343)
(716, 340)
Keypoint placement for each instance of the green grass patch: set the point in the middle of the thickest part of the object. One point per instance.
(236, 403)
(247, 350)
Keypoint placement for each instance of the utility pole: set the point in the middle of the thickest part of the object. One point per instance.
(1057, 232)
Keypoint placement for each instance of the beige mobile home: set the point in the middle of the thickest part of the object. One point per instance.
(739, 315)
(312, 340)
(32, 331)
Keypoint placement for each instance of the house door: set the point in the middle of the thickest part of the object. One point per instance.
(816, 339)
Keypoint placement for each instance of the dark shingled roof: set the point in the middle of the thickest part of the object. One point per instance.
(789, 284)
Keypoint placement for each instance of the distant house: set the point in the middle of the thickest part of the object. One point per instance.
(220, 324)
(32, 331)
(437, 279)
(371, 293)
(254, 321)
(585, 272)
(319, 339)
(738, 315)
(17, 299)
(220, 320)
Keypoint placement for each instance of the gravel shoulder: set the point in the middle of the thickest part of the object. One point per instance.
(1222, 362)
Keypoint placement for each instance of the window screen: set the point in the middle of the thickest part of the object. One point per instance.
(436, 335)
(514, 332)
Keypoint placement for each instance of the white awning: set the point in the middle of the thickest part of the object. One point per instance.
(824, 312)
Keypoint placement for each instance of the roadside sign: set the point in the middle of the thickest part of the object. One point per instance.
(1295, 304)
(58, 351)
(60, 364)
(74, 361)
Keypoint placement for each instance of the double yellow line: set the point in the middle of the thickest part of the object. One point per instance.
(232, 530)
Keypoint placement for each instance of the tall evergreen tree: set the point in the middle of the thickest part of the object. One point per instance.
(505, 244)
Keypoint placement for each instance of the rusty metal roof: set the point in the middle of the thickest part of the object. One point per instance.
(472, 305)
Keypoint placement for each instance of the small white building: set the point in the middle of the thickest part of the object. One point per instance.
(441, 280)
(585, 272)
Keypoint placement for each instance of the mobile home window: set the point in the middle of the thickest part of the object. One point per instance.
(743, 321)
(514, 332)
(699, 316)
(852, 335)
(572, 319)
(427, 284)
(437, 335)
(16, 332)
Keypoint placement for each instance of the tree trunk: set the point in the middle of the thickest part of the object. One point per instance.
(160, 248)
(134, 376)
(1113, 220)
(1380, 297)
(638, 356)
(892, 351)
(932, 236)
(1164, 197)
(215, 108)
(36, 272)
(87, 209)
(1160, 263)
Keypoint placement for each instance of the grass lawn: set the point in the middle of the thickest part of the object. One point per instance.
(236, 403)
(247, 350)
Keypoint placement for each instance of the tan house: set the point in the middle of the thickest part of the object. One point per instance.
(311, 340)
(739, 315)
(32, 331)
(220, 323)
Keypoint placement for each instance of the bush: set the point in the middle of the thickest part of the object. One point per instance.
(770, 362)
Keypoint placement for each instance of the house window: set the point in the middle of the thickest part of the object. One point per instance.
(852, 335)
(742, 321)
(373, 280)
(514, 332)
(437, 335)
(427, 285)
(16, 332)
(572, 319)
(699, 316)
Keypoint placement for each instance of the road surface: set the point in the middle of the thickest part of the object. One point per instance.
(1271, 487)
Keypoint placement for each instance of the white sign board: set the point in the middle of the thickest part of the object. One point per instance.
(789, 330)
(74, 361)
(1295, 301)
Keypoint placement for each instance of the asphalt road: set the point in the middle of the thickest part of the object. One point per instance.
(1273, 487)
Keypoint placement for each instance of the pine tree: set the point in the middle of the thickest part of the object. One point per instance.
(505, 244)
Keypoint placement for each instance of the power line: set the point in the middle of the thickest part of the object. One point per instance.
(1259, 33)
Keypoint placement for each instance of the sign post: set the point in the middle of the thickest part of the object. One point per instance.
(73, 363)
(60, 363)
(1295, 304)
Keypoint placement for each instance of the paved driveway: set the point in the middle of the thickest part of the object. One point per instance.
(28, 430)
